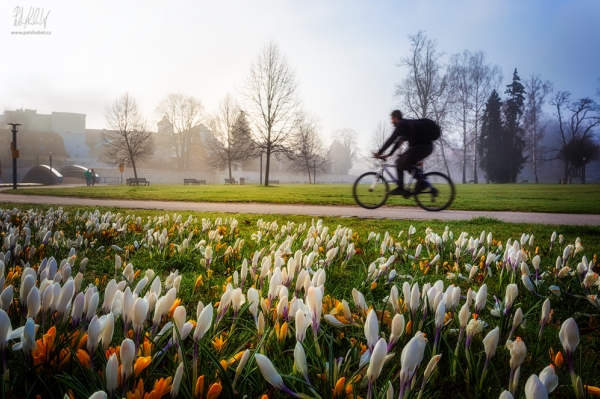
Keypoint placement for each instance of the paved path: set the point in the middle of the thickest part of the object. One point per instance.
(310, 210)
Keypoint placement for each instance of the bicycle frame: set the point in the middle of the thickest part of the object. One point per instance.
(416, 174)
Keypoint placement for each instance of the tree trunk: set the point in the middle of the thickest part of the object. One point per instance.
(464, 168)
(308, 170)
(444, 157)
(475, 153)
(229, 164)
(267, 165)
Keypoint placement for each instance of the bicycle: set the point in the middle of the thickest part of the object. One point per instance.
(433, 191)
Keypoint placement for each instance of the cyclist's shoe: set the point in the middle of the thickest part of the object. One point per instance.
(400, 191)
(434, 192)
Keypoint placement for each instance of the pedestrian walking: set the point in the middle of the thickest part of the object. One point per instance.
(88, 177)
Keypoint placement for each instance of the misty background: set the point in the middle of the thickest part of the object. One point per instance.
(346, 56)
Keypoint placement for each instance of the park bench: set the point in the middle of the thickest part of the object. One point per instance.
(193, 181)
(524, 181)
(140, 180)
(230, 181)
(273, 182)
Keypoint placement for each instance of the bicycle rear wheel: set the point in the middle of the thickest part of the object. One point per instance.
(370, 190)
(437, 195)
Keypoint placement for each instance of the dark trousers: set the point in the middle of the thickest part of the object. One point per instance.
(410, 157)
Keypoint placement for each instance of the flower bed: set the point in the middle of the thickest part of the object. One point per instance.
(231, 312)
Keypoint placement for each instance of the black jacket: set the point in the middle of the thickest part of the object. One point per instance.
(406, 130)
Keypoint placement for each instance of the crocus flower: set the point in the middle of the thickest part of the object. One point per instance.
(34, 302)
(518, 350)
(271, 375)
(397, 330)
(517, 321)
(300, 360)
(505, 395)
(569, 336)
(378, 356)
(549, 378)
(241, 365)
(371, 329)
(314, 301)
(112, 374)
(98, 395)
(480, 298)
(535, 389)
(127, 353)
(410, 358)
(545, 315)
(511, 294)
(204, 322)
(140, 312)
(177, 381)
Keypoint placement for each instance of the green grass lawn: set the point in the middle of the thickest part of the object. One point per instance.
(482, 197)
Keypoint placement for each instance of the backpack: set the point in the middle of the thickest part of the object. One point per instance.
(428, 129)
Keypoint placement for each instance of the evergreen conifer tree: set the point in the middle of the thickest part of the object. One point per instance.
(513, 144)
(491, 137)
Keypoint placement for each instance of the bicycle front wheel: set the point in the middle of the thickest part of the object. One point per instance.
(437, 195)
(370, 190)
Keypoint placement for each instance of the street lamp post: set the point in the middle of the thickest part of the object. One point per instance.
(261, 168)
(15, 152)
(583, 172)
(51, 171)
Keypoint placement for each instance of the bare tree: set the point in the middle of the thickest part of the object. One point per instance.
(485, 78)
(183, 115)
(578, 127)
(461, 104)
(378, 137)
(228, 144)
(536, 92)
(421, 87)
(472, 81)
(424, 91)
(307, 152)
(271, 92)
(128, 141)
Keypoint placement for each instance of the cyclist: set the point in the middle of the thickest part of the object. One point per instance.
(420, 145)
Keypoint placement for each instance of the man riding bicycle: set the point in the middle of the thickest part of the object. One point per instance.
(420, 135)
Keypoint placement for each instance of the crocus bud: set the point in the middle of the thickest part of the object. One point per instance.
(490, 342)
(371, 329)
(33, 303)
(431, 366)
(511, 294)
(300, 359)
(569, 335)
(464, 316)
(545, 312)
(480, 298)
(127, 353)
(112, 374)
(177, 381)
(204, 322)
(377, 360)
(140, 312)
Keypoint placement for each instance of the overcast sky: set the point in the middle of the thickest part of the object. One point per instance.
(344, 52)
